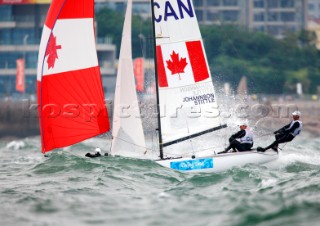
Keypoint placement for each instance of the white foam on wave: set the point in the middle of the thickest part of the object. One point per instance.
(16, 145)
(309, 158)
(299, 150)
(268, 182)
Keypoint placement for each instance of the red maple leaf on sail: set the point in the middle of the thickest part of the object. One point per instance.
(52, 51)
(176, 65)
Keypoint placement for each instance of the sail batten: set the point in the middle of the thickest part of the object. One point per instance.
(70, 93)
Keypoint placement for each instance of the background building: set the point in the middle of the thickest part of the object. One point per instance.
(275, 17)
(313, 9)
(21, 27)
(140, 7)
(20, 32)
(314, 19)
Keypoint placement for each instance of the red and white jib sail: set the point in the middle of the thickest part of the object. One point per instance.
(70, 94)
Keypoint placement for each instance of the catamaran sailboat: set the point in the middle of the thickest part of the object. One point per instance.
(68, 71)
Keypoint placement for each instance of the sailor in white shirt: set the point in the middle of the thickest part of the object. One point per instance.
(240, 141)
(286, 133)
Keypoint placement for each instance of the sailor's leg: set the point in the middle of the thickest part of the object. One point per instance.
(225, 150)
(274, 144)
(278, 136)
(282, 139)
(244, 147)
(228, 148)
(236, 145)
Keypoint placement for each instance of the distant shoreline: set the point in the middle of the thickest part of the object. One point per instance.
(16, 120)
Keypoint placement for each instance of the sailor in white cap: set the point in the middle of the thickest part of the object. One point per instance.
(286, 133)
(242, 140)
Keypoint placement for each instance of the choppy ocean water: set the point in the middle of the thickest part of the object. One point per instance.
(69, 189)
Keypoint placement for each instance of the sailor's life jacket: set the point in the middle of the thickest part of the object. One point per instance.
(247, 138)
(297, 130)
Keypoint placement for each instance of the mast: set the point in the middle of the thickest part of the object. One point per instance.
(156, 80)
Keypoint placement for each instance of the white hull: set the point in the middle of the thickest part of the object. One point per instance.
(219, 163)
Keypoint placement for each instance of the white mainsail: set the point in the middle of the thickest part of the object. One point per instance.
(128, 137)
(186, 94)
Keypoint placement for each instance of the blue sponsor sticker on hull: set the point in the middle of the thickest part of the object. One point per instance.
(195, 164)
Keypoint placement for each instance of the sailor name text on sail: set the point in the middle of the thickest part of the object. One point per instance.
(200, 99)
(170, 10)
